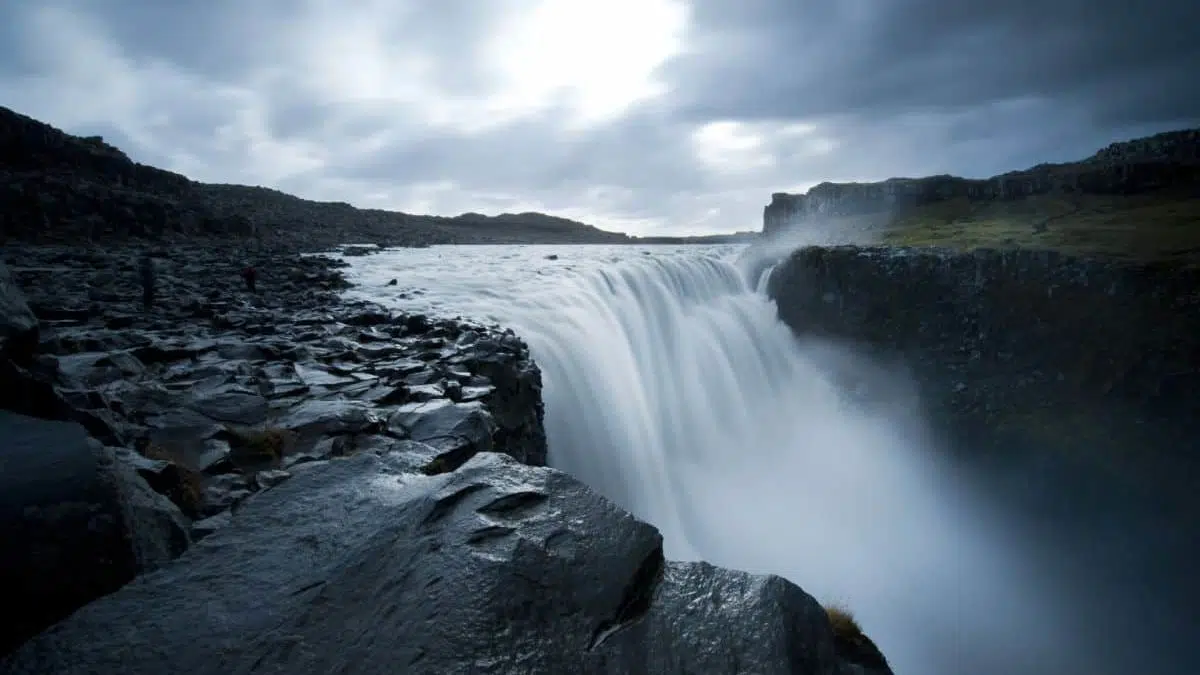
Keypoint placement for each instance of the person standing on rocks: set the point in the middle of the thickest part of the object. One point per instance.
(250, 275)
(147, 272)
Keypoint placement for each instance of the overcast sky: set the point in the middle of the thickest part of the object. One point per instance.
(639, 115)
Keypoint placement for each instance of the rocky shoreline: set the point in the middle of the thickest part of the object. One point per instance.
(349, 487)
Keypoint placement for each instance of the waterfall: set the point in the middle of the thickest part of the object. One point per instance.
(672, 388)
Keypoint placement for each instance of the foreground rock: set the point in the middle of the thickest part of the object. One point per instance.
(359, 565)
(211, 396)
(1091, 353)
(76, 524)
(18, 325)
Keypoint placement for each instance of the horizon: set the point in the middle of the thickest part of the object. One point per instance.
(685, 128)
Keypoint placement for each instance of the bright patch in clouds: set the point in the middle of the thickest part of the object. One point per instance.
(597, 56)
(731, 147)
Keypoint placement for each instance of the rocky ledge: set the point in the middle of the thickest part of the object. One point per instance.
(1150, 165)
(1055, 349)
(281, 481)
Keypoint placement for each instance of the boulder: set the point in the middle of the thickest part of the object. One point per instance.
(354, 565)
(18, 325)
(329, 417)
(445, 425)
(76, 523)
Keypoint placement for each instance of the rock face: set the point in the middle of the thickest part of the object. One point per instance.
(1028, 338)
(215, 394)
(1138, 166)
(18, 325)
(57, 187)
(357, 565)
(76, 524)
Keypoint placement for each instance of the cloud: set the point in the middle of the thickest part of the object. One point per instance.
(642, 115)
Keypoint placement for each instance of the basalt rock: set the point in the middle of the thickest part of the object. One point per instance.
(358, 565)
(1037, 341)
(18, 325)
(1142, 165)
(76, 522)
(203, 409)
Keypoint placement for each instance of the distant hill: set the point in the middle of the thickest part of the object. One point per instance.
(56, 187)
(732, 238)
(1134, 199)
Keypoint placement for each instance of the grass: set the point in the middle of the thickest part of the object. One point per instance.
(437, 466)
(1158, 226)
(852, 644)
(186, 487)
(256, 447)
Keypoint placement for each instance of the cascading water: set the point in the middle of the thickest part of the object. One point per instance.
(671, 388)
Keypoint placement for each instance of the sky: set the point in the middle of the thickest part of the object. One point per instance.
(645, 116)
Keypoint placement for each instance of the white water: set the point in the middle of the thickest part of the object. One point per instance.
(671, 388)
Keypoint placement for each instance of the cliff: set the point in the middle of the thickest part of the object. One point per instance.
(1089, 205)
(55, 187)
(1017, 346)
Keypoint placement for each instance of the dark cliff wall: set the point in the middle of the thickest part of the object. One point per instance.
(1018, 339)
(56, 187)
(1133, 167)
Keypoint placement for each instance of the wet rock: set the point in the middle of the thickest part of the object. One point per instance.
(232, 404)
(416, 323)
(424, 392)
(226, 398)
(265, 480)
(202, 528)
(564, 583)
(214, 453)
(96, 369)
(225, 491)
(168, 476)
(367, 318)
(76, 524)
(457, 430)
(329, 417)
(158, 529)
(515, 401)
(475, 393)
(185, 422)
(278, 380)
(18, 325)
(314, 376)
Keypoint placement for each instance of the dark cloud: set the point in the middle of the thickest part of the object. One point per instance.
(1127, 62)
(402, 103)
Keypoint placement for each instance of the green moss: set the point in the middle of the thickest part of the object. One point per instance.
(852, 644)
(1164, 225)
(436, 466)
(184, 485)
(258, 446)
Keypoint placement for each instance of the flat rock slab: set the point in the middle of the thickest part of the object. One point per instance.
(357, 566)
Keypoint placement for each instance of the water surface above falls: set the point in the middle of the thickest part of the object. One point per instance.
(671, 388)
